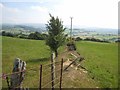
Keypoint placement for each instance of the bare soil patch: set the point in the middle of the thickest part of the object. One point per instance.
(75, 77)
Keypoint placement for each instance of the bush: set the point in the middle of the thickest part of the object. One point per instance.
(7, 34)
(33, 36)
(95, 40)
(71, 46)
(22, 36)
(117, 41)
(78, 39)
(37, 36)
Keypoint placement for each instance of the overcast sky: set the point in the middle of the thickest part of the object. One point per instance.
(90, 13)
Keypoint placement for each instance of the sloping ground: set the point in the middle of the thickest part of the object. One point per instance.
(34, 52)
(75, 77)
(101, 61)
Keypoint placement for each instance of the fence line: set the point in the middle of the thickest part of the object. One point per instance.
(59, 83)
(56, 84)
(5, 75)
(50, 73)
(41, 77)
(25, 70)
(59, 77)
(51, 63)
(50, 82)
(61, 73)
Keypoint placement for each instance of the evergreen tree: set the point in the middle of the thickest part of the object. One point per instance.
(56, 36)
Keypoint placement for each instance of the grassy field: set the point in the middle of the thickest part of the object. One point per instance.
(33, 52)
(101, 59)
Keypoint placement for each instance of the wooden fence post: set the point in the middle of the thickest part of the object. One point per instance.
(52, 70)
(61, 73)
(40, 83)
(8, 83)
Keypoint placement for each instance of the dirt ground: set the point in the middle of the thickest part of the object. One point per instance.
(75, 77)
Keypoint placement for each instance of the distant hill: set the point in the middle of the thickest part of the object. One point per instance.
(23, 27)
(42, 28)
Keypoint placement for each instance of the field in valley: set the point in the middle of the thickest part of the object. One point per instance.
(101, 60)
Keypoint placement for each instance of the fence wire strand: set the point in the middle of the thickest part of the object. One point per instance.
(27, 70)
(56, 84)
(6, 75)
(50, 73)
(50, 82)
(50, 63)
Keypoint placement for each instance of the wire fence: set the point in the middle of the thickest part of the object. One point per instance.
(45, 79)
(34, 69)
(57, 79)
(53, 81)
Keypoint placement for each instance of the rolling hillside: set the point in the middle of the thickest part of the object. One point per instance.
(101, 60)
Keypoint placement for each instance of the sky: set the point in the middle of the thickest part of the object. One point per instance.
(85, 13)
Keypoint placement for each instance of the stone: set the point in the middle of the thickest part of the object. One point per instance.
(18, 76)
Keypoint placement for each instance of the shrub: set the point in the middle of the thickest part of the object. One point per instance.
(7, 34)
(96, 40)
(78, 39)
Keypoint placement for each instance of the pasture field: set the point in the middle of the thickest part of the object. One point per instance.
(33, 52)
(101, 59)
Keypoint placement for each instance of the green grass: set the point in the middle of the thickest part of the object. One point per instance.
(31, 51)
(101, 59)
(0, 60)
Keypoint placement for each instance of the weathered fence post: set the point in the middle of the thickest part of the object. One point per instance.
(40, 83)
(18, 73)
(61, 73)
(52, 70)
(8, 83)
